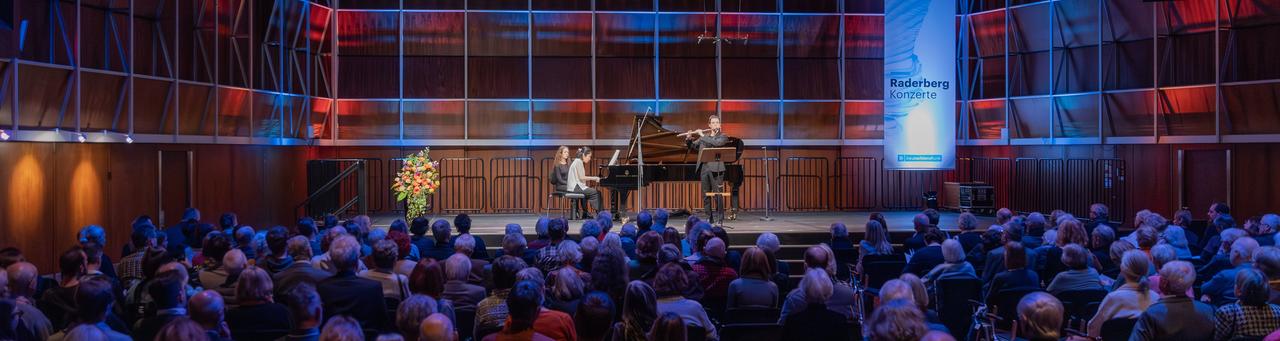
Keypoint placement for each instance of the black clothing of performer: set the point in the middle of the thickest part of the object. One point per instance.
(711, 173)
(560, 179)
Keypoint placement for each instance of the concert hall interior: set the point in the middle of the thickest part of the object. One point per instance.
(796, 120)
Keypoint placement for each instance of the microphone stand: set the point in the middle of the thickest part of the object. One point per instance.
(639, 163)
(766, 185)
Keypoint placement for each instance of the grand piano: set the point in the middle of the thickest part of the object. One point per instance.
(667, 157)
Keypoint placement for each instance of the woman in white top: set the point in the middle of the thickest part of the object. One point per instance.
(577, 180)
(1132, 298)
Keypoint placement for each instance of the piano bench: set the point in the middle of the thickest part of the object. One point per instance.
(570, 211)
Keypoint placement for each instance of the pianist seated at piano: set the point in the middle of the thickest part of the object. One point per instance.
(577, 181)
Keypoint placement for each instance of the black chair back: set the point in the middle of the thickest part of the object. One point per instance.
(954, 296)
(1117, 329)
(392, 305)
(466, 321)
(751, 331)
(845, 257)
(751, 316)
(882, 268)
(1006, 305)
(1081, 304)
(695, 333)
(258, 334)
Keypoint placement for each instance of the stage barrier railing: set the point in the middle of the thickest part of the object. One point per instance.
(462, 185)
(515, 186)
(804, 183)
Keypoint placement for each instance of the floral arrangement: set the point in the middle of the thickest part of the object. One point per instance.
(418, 179)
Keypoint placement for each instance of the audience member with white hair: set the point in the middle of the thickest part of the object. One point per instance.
(233, 262)
(1220, 258)
(1160, 255)
(1079, 275)
(1267, 260)
(466, 244)
(1175, 316)
(411, 312)
(815, 321)
(346, 293)
(457, 270)
(1131, 298)
(1040, 315)
(1266, 231)
(1252, 316)
(437, 327)
(896, 320)
(1220, 289)
(1176, 237)
(954, 265)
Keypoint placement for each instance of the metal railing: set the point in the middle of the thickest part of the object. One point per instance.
(353, 167)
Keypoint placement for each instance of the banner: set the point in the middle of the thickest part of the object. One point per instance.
(919, 84)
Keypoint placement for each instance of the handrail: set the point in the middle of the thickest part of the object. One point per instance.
(358, 167)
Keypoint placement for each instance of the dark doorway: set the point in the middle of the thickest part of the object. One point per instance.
(1206, 177)
(175, 185)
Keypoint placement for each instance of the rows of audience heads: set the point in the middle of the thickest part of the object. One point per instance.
(647, 279)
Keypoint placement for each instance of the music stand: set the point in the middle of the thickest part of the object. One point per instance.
(718, 154)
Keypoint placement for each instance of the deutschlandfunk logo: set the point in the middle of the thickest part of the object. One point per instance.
(919, 158)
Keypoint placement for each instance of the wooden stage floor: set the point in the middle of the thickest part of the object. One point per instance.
(747, 222)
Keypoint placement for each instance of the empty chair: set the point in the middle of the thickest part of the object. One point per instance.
(878, 269)
(1081, 304)
(751, 331)
(1005, 304)
(1118, 329)
(750, 315)
(955, 297)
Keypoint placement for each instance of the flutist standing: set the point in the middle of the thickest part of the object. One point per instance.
(712, 173)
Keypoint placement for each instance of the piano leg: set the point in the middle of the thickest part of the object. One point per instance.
(734, 204)
(618, 203)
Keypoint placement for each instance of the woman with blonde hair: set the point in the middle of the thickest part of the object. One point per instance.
(1131, 298)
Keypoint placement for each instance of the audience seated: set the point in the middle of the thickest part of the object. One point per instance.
(342, 328)
(1079, 276)
(467, 245)
(1040, 317)
(926, 258)
(491, 312)
(288, 292)
(917, 241)
(639, 310)
(815, 321)
(1251, 315)
(1130, 299)
(524, 307)
(411, 312)
(969, 236)
(93, 300)
(896, 320)
(668, 327)
(1101, 238)
(1175, 316)
(436, 327)
(301, 270)
(257, 310)
(954, 263)
(441, 248)
(753, 289)
(842, 298)
(714, 272)
(30, 322)
(462, 222)
(1267, 260)
(587, 317)
(347, 294)
(305, 312)
(208, 309)
(1016, 277)
(565, 291)
(1219, 290)
(669, 285)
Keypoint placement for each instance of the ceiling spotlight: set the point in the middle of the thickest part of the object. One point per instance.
(4, 135)
(80, 137)
(128, 138)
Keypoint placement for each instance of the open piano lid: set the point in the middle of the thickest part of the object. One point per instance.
(661, 145)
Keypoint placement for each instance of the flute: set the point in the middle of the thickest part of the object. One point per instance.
(691, 132)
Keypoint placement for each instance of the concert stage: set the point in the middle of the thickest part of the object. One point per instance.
(747, 222)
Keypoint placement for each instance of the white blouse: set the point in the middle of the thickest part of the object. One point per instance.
(578, 178)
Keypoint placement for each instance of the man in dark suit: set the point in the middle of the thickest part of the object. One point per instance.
(301, 270)
(929, 256)
(347, 294)
(441, 249)
(178, 233)
(1175, 316)
(169, 297)
(995, 258)
(921, 224)
(710, 173)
